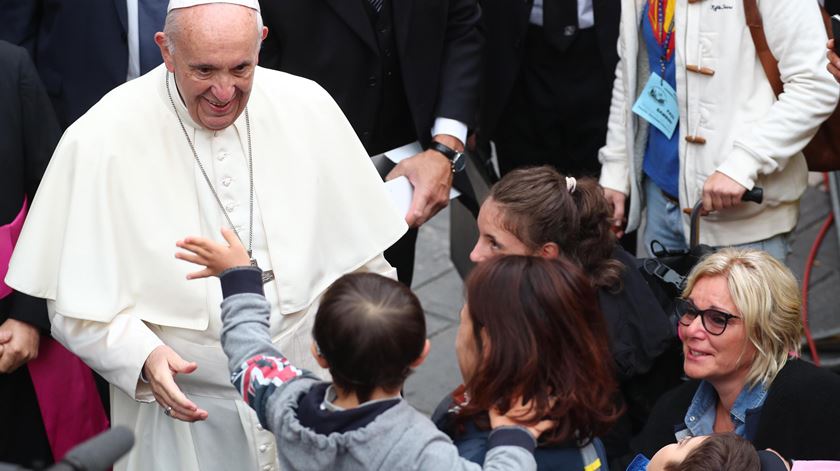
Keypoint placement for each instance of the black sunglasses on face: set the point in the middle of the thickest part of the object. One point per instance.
(714, 321)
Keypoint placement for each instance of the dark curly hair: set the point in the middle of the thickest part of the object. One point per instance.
(538, 208)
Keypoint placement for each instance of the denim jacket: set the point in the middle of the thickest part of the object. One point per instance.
(700, 417)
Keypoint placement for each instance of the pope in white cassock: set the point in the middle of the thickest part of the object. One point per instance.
(204, 141)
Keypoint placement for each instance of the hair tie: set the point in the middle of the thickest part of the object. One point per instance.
(571, 184)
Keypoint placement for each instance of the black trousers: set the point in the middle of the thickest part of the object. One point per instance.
(401, 256)
(558, 110)
(23, 439)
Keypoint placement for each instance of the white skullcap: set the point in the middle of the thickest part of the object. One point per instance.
(173, 4)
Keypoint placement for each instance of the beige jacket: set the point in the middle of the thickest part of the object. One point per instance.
(749, 135)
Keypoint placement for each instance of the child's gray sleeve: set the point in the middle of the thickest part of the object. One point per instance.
(257, 368)
(509, 448)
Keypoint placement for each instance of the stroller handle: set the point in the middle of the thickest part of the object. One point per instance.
(755, 195)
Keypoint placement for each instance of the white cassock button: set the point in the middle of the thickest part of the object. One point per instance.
(263, 448)
(222, 156)
(266, 468)
(259, 427)
(226, 181)
(692, 418)
(230, 207)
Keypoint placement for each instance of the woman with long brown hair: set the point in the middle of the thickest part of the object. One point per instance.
(531, 327)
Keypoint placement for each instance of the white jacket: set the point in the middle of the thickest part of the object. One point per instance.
(750, 136)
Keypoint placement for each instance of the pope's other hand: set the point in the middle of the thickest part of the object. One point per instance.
(160, 369)
(18, 344)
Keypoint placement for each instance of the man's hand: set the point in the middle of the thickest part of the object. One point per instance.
(617, 199)
(721, 192)
(18, 344)
(430, 173)
(160, 369)
(215, 257)
(833, 60)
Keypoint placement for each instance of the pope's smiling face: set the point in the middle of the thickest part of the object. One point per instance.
(215, 54)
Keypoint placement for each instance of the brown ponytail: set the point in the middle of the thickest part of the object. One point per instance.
(538, 207)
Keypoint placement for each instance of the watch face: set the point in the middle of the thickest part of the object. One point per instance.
(459, 163)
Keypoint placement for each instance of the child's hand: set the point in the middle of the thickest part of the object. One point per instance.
(522, 415)
(215, 257)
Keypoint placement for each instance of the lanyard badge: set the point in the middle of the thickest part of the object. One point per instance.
(658, 102)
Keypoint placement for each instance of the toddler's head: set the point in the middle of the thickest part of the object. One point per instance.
(370, 330)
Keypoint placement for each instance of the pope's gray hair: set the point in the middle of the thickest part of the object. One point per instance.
(172, 28)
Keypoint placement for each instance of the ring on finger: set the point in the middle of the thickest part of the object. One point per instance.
(168, 411)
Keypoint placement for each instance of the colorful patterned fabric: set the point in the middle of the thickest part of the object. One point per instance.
(260, 375)
(662, 27)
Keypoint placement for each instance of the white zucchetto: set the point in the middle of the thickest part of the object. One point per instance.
(173, 4)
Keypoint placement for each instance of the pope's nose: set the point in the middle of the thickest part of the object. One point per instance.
(223, 92)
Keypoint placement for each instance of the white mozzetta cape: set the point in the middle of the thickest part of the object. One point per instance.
(120, 190)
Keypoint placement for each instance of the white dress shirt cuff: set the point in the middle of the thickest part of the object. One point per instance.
(452, 127)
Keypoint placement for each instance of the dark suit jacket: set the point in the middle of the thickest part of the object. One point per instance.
(79, 47)
(28, 134)
(506, 24)
(332, 42)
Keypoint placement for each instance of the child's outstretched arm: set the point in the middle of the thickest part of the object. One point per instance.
(215, 257)
(257, 368)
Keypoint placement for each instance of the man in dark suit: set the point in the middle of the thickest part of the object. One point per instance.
(401, 71)
(82, 49)
(28, 135)
(548, 78)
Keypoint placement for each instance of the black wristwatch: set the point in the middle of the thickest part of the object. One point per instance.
(457, 159)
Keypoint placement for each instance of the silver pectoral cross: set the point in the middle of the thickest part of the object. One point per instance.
(267, 275)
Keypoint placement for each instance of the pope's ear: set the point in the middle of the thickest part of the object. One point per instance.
(160, 40)
(264, 33)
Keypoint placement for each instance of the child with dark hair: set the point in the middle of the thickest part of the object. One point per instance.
(370, 333)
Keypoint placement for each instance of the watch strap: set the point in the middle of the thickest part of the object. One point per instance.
(449, 152)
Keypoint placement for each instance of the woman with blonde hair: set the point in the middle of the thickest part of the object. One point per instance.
(740, 325)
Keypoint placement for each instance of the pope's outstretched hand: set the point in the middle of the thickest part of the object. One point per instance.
(164, 363)
(160, 369)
